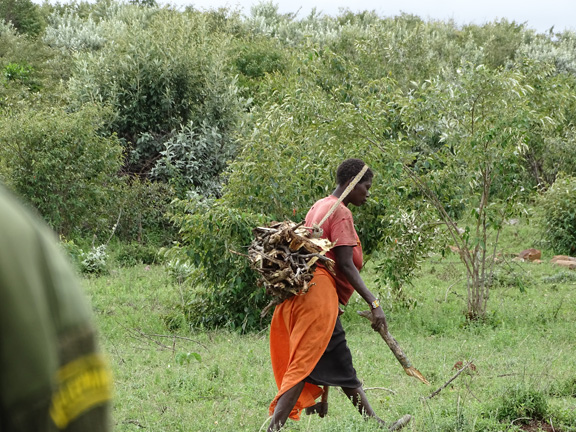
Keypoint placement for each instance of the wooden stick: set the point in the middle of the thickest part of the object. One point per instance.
(466, 366)
(395, 348)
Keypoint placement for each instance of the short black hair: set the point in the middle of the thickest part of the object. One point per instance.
(350, 169)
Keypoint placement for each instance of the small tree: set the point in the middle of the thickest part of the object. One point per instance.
(464, 134)
(24, 15)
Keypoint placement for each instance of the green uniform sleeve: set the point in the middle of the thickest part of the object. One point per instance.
(52, 376)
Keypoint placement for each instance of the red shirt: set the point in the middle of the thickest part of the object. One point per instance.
(339, 229)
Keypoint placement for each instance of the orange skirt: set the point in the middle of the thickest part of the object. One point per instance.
(299, 334)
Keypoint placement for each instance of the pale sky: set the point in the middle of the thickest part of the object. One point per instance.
(538, 14)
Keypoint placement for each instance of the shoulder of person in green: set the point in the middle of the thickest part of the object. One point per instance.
(52, 375)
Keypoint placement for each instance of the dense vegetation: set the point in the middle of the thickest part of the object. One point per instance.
(183, 129)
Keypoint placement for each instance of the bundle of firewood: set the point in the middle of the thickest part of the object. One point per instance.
(285, 255)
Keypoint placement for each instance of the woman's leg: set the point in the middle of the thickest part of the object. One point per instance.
(284, 407)
(360, 401)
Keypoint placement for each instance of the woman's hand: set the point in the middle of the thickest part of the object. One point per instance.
(345, 263)
(379, 320)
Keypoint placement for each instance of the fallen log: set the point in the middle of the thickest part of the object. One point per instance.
(396, 350)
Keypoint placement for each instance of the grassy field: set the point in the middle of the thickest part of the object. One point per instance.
(171, 378)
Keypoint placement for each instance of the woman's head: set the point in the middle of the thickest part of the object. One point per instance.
(350, 169)
(346, 172)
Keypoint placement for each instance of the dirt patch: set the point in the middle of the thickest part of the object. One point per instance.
(538, 426)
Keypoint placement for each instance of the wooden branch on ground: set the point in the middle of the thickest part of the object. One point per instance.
(140, 335)
(380, 388)
(466, 366)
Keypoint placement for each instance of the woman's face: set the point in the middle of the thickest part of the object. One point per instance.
(360, 193)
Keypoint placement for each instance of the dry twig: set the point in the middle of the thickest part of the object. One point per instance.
(466, 366)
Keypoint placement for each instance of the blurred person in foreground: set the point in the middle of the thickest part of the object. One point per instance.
(52, 375)
(307, 342)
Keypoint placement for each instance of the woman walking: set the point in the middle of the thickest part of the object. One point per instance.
(307, 342)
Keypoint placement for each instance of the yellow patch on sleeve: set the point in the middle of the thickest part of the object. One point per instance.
(81, 385)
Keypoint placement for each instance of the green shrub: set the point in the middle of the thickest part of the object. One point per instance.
(72, 250)
(194, 158)
(62, 165)
(565, 388)
(255, 61)
(179, 270)
(69, 32)
(558, 221)
(159, 69)
(94, 261)
(30, 74)
(510, 277)
(409, 238)
(140, 209)
(131, 254)
(25, 15)
(522, 404)
(17, 72)
(222, 288)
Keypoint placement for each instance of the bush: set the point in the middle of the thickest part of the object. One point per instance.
(131, 254)
(223, 289)
(24, 15)
(409, 238)
(140, 208)
(566, 388)
(60, 163)
(194, 158)
(160, 69)
(94, 261)
(72, 250)
(29, 72)
(68, 32)
(558, 220)
(522, 404)
(17, 72)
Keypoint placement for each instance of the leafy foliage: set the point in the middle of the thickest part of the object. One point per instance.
(69, 32)
(558, 220)
(194, 158)
(224, 293)
(463, 133)
(140, 207)
(159, 70)
(409, 239)
(17, 72)
(131, 254)
(61, 164)
(24, 15)
(27, 70)
(94, 261)
(522, 404)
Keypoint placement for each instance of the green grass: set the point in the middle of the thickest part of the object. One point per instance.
(172, 378)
